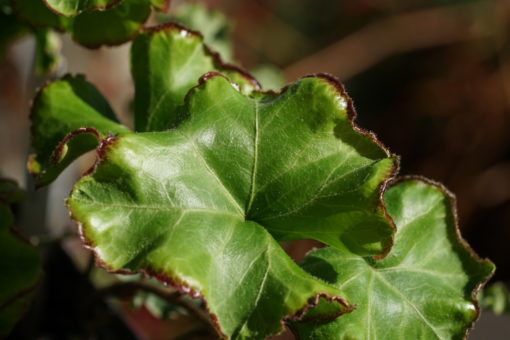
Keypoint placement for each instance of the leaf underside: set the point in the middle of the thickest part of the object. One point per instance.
(204, 204)
(20, 264)
(424, 289)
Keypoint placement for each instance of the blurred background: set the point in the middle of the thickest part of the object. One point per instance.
(430, 77)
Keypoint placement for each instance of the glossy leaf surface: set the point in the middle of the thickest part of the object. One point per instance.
(75, 7)
(166, 62)
(60, 108)
(201, 205)
(423, 289)
(20, 264)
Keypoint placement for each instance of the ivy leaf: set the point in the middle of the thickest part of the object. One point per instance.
(202, 206)
(74, 7)
(166, 61)
(37, 15)
(68, 115)
(92, 28)
(20, 263)
(111, 27)
(67, 118)
(424, 289)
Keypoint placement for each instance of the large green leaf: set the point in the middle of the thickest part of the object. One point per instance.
(68, 116)
(166, 61)
(20, 264)
(200, 205)
(75, 7)
(424, 289)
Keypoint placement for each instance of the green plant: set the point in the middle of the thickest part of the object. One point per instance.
(217, 172)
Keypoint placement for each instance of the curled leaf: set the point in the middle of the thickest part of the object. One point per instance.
(424, 289)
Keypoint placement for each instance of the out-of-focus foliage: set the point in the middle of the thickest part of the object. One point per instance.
(20, 263)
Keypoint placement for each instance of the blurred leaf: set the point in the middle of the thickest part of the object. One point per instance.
(423, 289)
(269, 76)
(60, 108)
(113, 26)
(211, 23)
(166, 62)
(47, 51)
(496, 298)
(20, 264)
(75, 7)
(93, 28)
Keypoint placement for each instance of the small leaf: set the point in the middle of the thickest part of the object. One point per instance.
(20, 264)
(166, 61)
(68, 116)
(111, 27)
(75, 7)
(496, 298)
(424, 289)
(199, 206)
(47, 51)
(35, 13)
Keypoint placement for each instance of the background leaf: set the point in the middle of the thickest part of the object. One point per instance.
(75, 7)
(47, 51)
(113, 26)
(60, 108)
(20, 264)
(424, 289)
(166, 62)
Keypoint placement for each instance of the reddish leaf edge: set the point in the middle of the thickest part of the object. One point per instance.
(185, 288)
(218, 61)
(94, 8)
(181, 285)
(452, 202)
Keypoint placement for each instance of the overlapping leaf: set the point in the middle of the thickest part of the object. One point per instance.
(424, 288)
(73, 104)
(202, 204)
(75, 7)
(166, 62)
(20, 264)
(94, 23)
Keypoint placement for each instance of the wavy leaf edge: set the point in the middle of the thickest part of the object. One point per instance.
(458, 235)
(181, 285)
